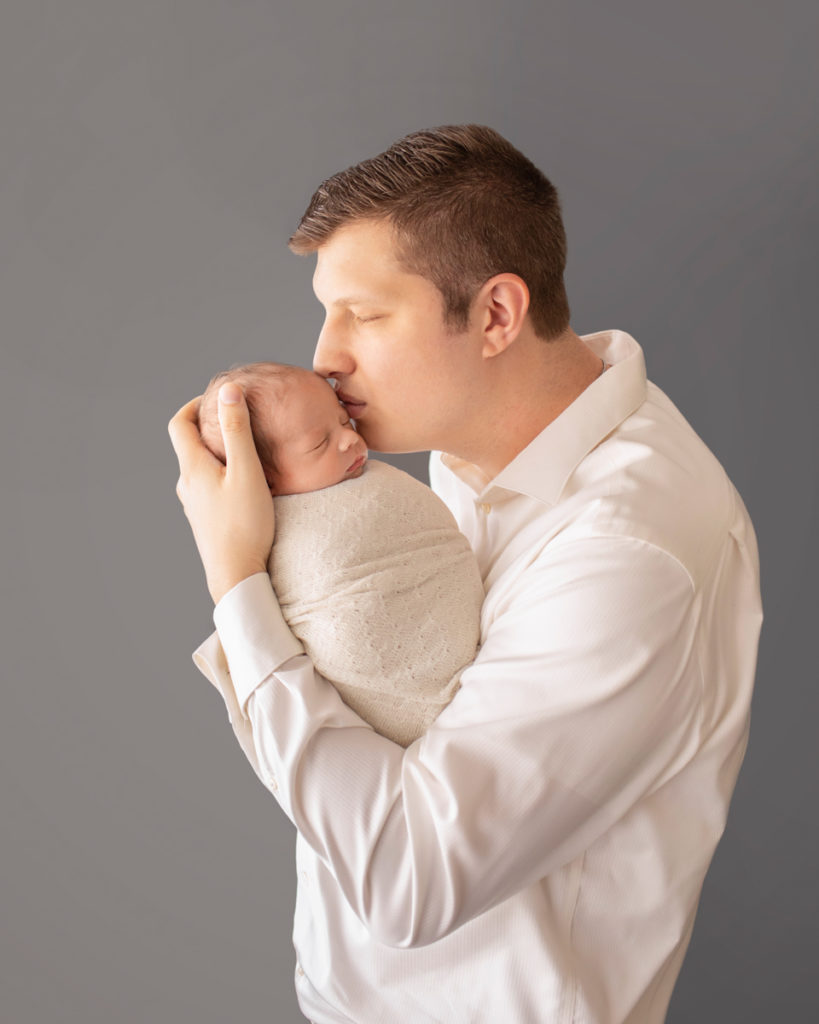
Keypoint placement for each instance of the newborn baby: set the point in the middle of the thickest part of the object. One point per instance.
(370, 569)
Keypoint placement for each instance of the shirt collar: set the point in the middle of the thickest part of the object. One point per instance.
(546, 463)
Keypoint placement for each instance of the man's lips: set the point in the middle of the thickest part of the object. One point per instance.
(352, 405)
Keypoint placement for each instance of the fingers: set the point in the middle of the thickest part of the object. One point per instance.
(234, 419)
(184, 431)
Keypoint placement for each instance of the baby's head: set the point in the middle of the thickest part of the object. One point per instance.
(304, 437)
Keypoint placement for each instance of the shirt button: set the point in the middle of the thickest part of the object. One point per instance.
(486, 508)
(272, 782)
(299, 971)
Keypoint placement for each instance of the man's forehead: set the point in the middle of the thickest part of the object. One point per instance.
(357, 264)
(356, 299)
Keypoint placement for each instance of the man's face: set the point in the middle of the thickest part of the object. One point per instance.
(402, 375)
(316, 444)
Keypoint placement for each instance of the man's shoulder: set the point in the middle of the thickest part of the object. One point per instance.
(655, 480)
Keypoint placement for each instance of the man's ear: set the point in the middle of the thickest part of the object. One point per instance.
(502, 305)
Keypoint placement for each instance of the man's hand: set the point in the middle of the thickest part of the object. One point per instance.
(230, 507)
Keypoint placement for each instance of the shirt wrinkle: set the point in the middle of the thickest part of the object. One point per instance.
(590, 752)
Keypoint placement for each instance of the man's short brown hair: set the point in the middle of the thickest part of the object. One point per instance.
(465, 205)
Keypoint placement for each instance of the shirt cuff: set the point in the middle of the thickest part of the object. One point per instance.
(254, 635)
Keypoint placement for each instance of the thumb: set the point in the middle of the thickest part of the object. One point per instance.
(234, 420)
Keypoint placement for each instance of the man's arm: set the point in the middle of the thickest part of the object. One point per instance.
(584, 697)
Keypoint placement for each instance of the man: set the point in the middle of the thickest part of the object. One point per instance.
(538, 854)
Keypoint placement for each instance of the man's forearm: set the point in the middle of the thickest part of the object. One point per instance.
(494, 796)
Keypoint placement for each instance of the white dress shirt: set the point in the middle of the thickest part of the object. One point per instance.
(538, 855)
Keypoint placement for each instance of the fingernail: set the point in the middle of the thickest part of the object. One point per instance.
(229, 394)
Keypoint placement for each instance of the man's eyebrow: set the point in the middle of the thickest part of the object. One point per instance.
(353, 300)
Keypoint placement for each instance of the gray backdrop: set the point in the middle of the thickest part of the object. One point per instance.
(154, 157)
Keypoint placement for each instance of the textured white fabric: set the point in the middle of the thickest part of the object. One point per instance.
(383, 590)
(538, 855)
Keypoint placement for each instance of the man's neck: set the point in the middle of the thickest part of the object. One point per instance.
(531, 385)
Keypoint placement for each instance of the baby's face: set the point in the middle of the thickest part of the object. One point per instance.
(316, 444)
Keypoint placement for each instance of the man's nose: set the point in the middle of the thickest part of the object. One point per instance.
(332, 356)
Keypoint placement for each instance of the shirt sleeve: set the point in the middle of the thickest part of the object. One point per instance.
(584, 697)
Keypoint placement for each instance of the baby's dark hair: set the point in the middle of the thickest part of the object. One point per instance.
(256, 380)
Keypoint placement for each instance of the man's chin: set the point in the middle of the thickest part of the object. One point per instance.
(389, 449)
(367, 436)
(383, 443)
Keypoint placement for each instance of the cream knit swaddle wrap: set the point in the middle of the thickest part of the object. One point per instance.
(375, 579)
